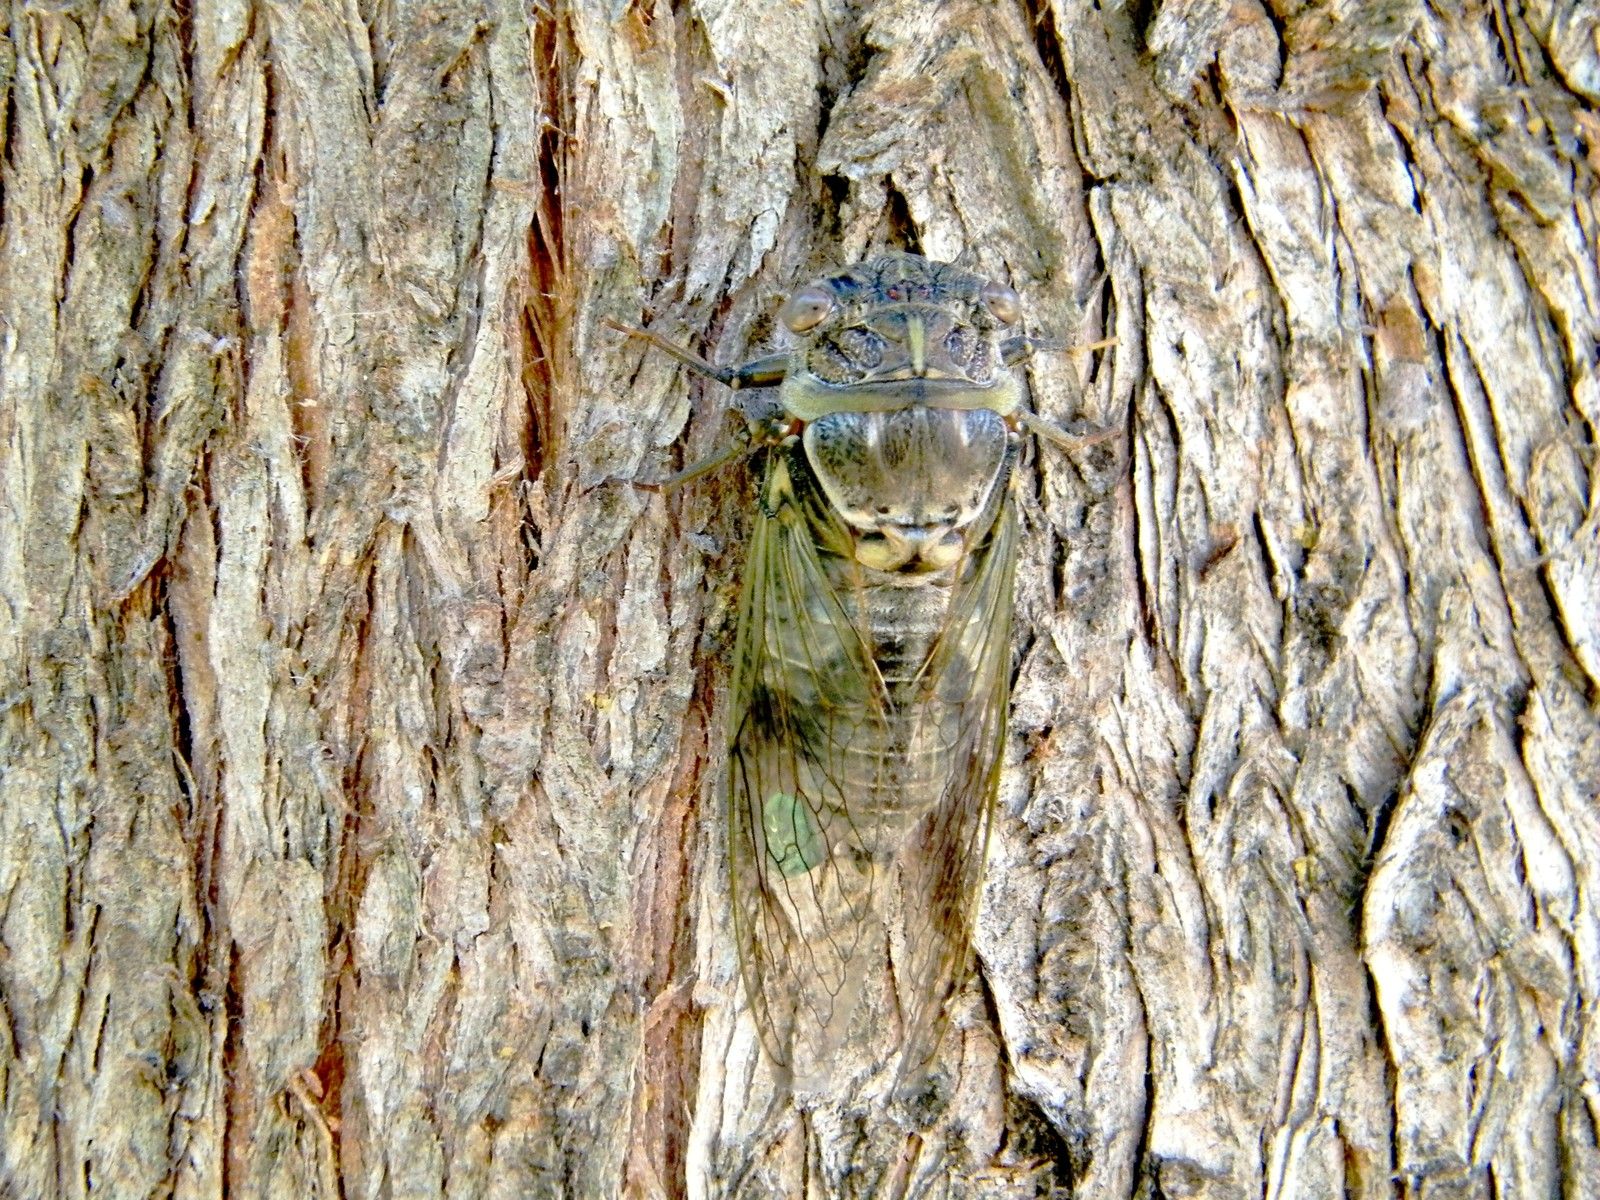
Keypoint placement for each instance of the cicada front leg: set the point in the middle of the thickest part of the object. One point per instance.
(1018, 350)
(767, 371)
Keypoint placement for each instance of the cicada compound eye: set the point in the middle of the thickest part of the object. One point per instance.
(806, 309)
(1003, 303)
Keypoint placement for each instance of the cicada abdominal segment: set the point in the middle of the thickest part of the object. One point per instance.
(871, 666)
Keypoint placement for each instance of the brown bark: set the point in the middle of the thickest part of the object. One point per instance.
(360, 722)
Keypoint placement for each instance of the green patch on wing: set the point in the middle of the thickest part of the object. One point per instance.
(793, 843)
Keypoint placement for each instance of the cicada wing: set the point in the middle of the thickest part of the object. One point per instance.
(805, 874)
(818, 758)
(964, 700)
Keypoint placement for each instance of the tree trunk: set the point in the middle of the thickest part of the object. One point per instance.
(361, 824)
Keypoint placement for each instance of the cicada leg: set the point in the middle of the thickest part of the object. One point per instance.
(745, 445)
(1020, 349)
(1023, 347)
(1060, 438)
(767, 371)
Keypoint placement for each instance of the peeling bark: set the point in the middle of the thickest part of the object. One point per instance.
(361, 724)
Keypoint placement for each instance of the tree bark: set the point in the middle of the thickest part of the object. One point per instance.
(360, 828)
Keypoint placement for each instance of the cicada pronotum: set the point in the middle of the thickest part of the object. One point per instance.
(872, 664)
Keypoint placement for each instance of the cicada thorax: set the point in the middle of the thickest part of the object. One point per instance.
(910, 484)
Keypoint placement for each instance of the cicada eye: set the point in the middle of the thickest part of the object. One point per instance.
(806, 309)
(960, 344)
(1003, 303)
(861, 347)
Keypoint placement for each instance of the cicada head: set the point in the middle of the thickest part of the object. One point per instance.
(900, 329)
(902, 387)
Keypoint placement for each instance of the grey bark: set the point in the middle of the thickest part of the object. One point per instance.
(359, 721)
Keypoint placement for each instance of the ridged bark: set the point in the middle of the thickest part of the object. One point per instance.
(361, 724)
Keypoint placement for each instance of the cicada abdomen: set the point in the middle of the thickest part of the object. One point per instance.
(872, 661)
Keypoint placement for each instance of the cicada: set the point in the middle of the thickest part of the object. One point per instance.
(872, 661)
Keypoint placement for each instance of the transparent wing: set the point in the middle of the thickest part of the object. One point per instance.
(804, 876)
(847, 792)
